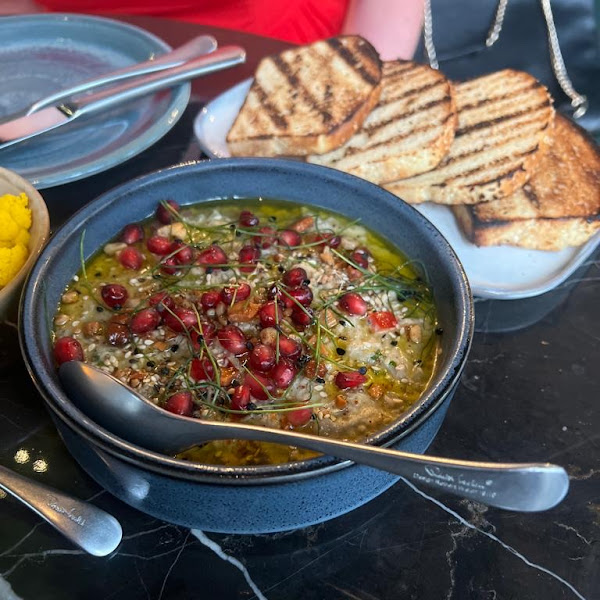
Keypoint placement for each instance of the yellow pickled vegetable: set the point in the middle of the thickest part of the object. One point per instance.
(15, 221)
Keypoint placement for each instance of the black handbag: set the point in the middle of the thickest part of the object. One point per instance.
(459, 29)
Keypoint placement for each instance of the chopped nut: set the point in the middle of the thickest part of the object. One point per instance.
(70, 297)
(92, 328)
(268, 336)
(178, 230)
(311, 369)
(414, 333)
(114, 247)
(61, 319)
(303, 224)
(242, 312)
(328, 318)
(227, 375)
(376, 390)
(121, 318)
(340, 401)
(327, 256)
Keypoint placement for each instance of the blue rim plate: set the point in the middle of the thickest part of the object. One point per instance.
(41, 54)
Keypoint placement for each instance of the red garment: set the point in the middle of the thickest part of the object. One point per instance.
(299, 21)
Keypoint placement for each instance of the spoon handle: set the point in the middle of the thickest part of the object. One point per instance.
(90, 528)
(527, 487)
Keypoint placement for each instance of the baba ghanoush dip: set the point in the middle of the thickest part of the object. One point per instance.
(260, 312)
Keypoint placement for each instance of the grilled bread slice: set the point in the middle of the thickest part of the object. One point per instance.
(505, 123)
(307, 100)
(407, 133)
(558, 207)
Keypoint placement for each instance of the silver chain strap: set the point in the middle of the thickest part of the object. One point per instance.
(496, 27)
(428, 35)
(578, 101)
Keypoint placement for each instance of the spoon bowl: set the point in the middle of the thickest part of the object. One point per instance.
(520, 486)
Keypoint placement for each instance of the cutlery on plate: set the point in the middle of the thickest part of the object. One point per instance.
(198, 46)
(523, 487)
(51, 117)
(89, 527)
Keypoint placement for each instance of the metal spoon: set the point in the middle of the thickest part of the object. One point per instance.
(524, 487)
(89, 527)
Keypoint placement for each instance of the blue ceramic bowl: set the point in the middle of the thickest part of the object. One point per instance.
(243, 499)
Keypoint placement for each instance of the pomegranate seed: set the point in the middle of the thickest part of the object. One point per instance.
(131, 258)
(299, 417)
(295, 277)
(210, 299)
(213, 255)
(240, 397)
(289, 238)
(283, 373)
(114, 295)
(350, 379)
(204, 336)
(353, 304)
(334, 241)
(117, 334)
(248, 255)
(181, 319)
(67, 349)
(259, 385)
(262, 358)
(182, 253)
(159, 244)
(302, 294)
(248, 219)
(202, 369)
(169, 265)
(181, 403)
(144, 321)
(360, 257)
(289, 347)
(270, 314)
(232, 338)
(132, 233)
(162, 301)
(208, 331)
(303, 316)
(276, 294)
(164, 214)
(317, 240)
(233, 293)
(267, 237)
(382, 320)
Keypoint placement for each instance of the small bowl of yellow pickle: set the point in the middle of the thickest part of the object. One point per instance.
(24, 229)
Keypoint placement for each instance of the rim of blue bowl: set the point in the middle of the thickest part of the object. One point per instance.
(56, 400)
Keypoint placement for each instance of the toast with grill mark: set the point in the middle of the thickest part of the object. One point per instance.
(558, 207)
(407, 133)
(505, 123)
(308, 100)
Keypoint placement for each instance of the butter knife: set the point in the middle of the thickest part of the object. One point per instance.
(203, 44)
(49, 118)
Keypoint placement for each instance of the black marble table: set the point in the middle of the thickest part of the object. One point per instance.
(529, 392)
